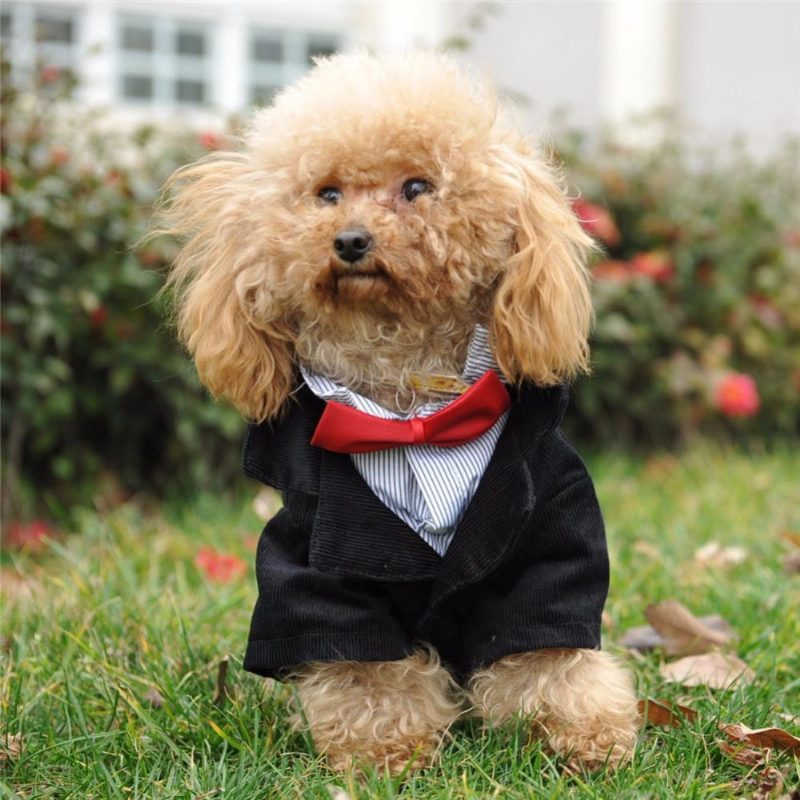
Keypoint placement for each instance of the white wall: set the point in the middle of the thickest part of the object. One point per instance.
(548, 52)
(729, 67)
(739, 68)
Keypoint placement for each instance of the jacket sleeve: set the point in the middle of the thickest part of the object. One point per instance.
(551, 592)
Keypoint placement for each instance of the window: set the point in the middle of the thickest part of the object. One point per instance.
(36, 36)
(164, 60)
(277, 57)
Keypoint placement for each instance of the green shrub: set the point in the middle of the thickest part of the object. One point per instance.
(697, 295)
(94, 384)
(698, 302)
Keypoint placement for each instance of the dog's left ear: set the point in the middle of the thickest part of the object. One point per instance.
(542, 309)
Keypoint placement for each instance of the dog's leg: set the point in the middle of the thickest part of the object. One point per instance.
(581, 702)
(386, 713)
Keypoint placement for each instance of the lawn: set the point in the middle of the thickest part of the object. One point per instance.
(113, 637)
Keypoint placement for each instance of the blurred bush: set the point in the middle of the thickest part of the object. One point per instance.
(697, 297)
(96, 392)
(697, 294)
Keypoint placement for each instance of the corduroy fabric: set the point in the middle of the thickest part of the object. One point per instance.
(341, 577)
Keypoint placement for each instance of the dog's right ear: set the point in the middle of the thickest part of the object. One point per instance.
(219, 281)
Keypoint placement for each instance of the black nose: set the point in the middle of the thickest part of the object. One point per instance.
(353, 244)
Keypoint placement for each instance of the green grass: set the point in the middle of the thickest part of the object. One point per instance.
(118, 609)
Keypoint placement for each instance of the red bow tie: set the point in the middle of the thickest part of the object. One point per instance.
(346, 430)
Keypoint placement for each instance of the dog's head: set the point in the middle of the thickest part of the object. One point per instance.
(376, 193)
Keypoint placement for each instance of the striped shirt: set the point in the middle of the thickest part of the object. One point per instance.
(428, 487)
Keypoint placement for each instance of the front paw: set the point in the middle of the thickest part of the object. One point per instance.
(591, 744)
(581, 703)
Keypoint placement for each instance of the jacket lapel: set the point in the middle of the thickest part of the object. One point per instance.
(505, 497)
(356, 534)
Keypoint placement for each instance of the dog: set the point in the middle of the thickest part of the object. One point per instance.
(386, 245)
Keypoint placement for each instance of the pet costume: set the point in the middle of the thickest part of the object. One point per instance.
(341, 577)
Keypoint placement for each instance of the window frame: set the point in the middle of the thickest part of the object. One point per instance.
(163, 64)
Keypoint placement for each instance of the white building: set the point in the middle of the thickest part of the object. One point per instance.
(726, 67)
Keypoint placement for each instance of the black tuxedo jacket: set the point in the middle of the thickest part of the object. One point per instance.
(341, 577)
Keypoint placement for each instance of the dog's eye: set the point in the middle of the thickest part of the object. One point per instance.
(330, 194)
(413, 188)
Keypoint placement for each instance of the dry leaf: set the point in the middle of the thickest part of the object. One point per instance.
(665, 714)
(10, 747)
(792, 537)
(222, 694)
(643, 638)
(744, 755)
(714, 554)
(715, 670)
(762, 737)
(153, 698)
(644, 548)
(770, 781)
(682, 631)
(791, 562)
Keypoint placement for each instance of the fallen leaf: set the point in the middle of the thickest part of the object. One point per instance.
(715, 670)
(222, 693)
(714, 554)
(647, 549)
(10, 747)
(791, 562)
(219, 567)
(762, 737)
(641, 638)
(683, 633)
(743, 755)
(153, 698)
(30, 536)
(18, 588)
(644, 638)
(792, 537)
(665, 714)
(770, 781)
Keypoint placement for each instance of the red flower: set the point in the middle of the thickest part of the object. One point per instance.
(211, 140)
(59, 156)
(28, 535)
(656, 265)
(612, 271)
(50, 74)
(597, 221)
(5, 181)
(766, 311)
(219, 567)
(98, 317)
(736, 395)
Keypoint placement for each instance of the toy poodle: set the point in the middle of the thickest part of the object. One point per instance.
(388, 282)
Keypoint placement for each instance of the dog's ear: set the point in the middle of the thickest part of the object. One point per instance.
(542, 309)
(220, 285)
